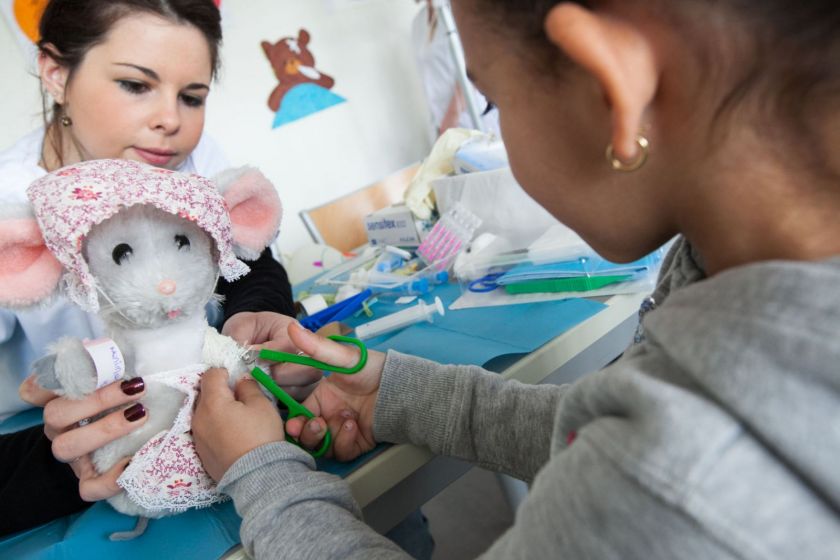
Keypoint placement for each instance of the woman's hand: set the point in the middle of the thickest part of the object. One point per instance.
(72, 443)
(344, 403)
(269, 330)
(228, 424)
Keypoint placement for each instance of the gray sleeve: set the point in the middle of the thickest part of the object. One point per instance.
(289, 510)
(583, 505)
(468, 413)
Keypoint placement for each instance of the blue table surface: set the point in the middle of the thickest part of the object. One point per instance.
(469, 336)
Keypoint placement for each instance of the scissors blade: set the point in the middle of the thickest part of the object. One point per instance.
(250, 357)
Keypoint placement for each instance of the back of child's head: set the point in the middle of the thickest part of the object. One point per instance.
(773, 61)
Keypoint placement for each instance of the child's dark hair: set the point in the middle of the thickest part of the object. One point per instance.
(780, 54)
(70, 28)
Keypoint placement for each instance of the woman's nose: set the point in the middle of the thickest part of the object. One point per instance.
(167, 287)
(166, 117)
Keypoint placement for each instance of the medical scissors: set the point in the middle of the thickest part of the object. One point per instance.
(295, 408)
(486, 283)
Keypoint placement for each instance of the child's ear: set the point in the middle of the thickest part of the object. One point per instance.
(255, 209)
(29, 273)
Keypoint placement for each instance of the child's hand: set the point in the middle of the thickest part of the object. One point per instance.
(269, 330)
(228, 424)
(345, 403)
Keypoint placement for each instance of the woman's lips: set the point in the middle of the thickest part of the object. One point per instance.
(155, 157)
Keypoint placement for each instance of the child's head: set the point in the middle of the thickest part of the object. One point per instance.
(718, 88)
(129, 77)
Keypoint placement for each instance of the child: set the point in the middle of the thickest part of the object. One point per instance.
(716, 436)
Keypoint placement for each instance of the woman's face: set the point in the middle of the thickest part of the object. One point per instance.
(556, 130)
(140, 94)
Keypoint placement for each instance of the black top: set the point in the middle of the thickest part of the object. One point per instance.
(35, 488)
(265, 288)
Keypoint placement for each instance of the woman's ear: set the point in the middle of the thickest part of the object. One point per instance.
(620, 56)
(53, 75)
(255, 209)
(29, 273)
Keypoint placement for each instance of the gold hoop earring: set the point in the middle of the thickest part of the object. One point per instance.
(66, 121)
(619, 165)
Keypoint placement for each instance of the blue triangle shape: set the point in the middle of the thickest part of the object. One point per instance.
(304, 100)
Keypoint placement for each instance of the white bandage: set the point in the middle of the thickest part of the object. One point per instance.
(107, 359)
(313, 304)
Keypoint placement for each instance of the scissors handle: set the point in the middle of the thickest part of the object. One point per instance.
(295, 409)
(487, 283)
(275, 356)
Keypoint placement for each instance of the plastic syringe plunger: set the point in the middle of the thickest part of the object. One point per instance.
(415, 314)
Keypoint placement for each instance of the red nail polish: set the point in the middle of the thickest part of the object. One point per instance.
(133, 386)
(135, 412)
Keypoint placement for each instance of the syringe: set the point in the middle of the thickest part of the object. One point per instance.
(421, 312)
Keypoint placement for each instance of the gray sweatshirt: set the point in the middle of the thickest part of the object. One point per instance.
(717, 436)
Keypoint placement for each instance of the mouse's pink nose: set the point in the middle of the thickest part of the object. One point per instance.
(167, 287)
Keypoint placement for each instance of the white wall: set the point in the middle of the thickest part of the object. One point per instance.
(20, 110)
(364, 44)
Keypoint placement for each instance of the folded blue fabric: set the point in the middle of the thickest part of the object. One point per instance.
(584, 266)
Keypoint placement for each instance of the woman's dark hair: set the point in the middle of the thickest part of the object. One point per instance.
(70, 28)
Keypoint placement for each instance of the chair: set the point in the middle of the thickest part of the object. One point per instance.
(340, 223)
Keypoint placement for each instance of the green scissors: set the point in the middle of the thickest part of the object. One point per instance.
(295, 408)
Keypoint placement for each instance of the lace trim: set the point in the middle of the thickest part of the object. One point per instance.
(166, 473)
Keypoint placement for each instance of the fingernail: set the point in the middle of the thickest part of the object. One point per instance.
(306, 332)
(348, 425)
(346, 414)
(315, 427)
(135, 412)
(133, 386)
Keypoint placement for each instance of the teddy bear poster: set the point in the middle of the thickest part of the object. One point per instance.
(302, 89)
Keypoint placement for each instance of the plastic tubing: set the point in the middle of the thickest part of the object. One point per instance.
(415, 314)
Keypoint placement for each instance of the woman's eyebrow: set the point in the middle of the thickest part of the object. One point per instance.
(151, 74)
(147, 71)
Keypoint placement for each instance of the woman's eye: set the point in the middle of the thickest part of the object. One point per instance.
(192, 100)
(490, 106)
(182, 241)
(133, 87)
(121, 253)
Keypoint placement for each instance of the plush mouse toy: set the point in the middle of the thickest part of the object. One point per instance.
(143, 247)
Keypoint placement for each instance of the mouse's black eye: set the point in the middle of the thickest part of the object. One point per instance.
(182, 241)
(121, 252)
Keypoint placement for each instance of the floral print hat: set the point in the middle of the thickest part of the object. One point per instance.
(68, 202)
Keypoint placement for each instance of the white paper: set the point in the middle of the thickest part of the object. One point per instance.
(108, 360)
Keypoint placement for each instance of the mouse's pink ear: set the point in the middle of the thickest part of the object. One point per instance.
(255, 209)
(29, 273)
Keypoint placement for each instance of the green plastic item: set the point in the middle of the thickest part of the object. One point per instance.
(580, 284)
(295, 408)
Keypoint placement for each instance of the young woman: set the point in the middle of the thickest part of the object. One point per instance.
(714, 437)
(130, 79)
